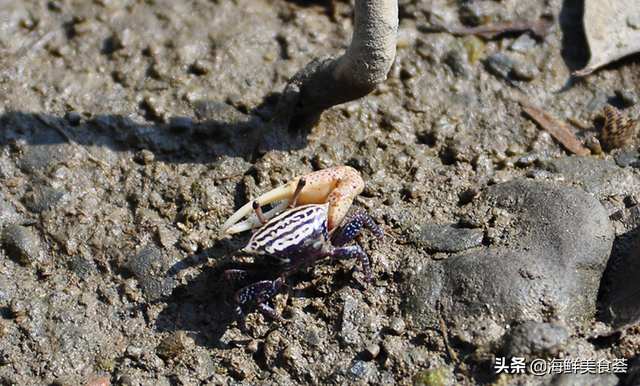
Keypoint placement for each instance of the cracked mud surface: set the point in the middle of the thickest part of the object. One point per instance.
(128, 136)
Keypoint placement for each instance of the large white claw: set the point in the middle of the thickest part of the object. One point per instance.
(337, 186)
(229, 227)
(282, 193)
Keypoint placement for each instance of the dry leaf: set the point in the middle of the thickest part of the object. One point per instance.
(557, 130)
(613, 31)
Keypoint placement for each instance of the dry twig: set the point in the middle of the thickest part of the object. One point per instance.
(556, 129)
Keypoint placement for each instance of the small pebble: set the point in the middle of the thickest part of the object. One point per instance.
(144, 157)
(21, 244)
(155, 106)
(525, 72)
(234, 98)
(113, 43)
(134, 352)
(252, 347)
(408, 71)
(61, 50)
(202, 67)
(189, 244)
(62, 381)
(628, 97)
(523, 44)
(73, 117)
(456, 62)
(240, 368)
(499, 64)
(627, 157)
(359, 369)
(174, 344)
(55, 5)
(182, 124)
(397, 325)
(478, 12)
(593, 144)
(312, 338)
(504, 66)
(633, 20)
(28, 23)
(372, 351)
(292, 353)
(513, 150)
(18, 308)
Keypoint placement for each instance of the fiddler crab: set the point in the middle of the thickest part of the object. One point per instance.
(296, 233)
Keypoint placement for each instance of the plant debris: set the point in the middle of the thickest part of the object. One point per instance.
(539, 28)
(556, 129)
(612, 28)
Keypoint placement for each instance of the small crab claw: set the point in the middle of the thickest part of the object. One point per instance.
(338, 186)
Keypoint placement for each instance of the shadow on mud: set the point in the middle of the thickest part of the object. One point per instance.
(41, 142)
(199, 305)
(219, 131)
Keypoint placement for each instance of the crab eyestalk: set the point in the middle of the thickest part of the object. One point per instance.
(256, 207)
(294, 200)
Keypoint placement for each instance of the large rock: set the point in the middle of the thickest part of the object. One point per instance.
(550, 247)
(620, 290)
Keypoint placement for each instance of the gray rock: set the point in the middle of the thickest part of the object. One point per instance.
(595, 175)
(627, 96)
(621, 294)
(523, 44)
(42, 197)
(182, 124)
(8, 213)
(627, 157)
(47, 149)
(479, 331)
(457, 62)
(448, 238)
(82, 267)
(547, 263)
(535, 338)
(508, 67)
(361, 369)
(212, 109)
(21, 244)
(349, 332)
(478, 12)
(148, 268)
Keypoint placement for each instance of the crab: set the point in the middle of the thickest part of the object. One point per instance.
(296, 237)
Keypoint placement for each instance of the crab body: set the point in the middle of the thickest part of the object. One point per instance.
(290, 241)
(293, 237)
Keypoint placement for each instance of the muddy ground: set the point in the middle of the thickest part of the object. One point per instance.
(128, 136)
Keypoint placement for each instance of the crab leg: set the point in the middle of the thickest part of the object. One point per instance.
(338, 186)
